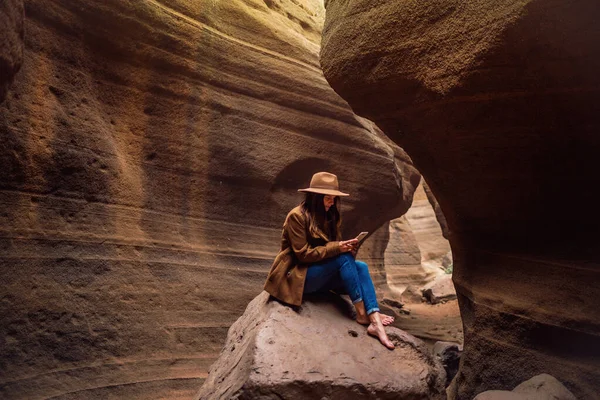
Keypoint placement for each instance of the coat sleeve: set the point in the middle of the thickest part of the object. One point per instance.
(300, 246)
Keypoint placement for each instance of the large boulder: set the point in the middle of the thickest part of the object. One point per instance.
(149, 153)
(498, 105)
(317, 352)
(11, 45)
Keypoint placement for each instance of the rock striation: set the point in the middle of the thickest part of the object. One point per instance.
(149, 153)
(275, 352)
(497, 103)
(11, 45)
(426, 222)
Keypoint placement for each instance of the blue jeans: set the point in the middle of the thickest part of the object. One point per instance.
(343, 272)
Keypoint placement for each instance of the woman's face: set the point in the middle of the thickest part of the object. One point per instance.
(328, 201)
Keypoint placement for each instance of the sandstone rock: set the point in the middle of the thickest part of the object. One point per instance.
(439, 214)
(413, 248)
(540, 387)
(449, 354)
(425, 225)
(496, 102)
(274, 352)
(392, 303)
(441, 289)
(402, 258)
(149, 153)
(11, 45)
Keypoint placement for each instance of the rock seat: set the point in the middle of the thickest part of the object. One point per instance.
(315, 352)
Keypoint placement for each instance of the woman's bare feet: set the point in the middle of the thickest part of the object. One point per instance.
(364, 319)
(376, 329)
(386, 319)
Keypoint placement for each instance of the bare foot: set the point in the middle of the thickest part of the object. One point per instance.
(386, 319)
(377, 331)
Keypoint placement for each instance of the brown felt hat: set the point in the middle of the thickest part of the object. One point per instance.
(324, 183)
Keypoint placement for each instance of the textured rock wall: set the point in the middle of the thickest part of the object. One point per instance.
(497, 103)
(150, 151)
(11, 45)
(424, 221)
(402, 255)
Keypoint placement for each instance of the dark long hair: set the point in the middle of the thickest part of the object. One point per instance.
(321, 223)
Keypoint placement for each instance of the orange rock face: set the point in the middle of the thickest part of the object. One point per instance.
(149, 153)
(497, 103)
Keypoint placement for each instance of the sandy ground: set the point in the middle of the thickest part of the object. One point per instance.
(430, 322)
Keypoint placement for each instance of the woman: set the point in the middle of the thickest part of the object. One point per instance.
(314, 259)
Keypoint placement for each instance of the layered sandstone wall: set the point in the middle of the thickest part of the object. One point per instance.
(150, 151)
(497, 103)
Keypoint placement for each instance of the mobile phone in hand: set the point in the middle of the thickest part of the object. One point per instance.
(361, 236)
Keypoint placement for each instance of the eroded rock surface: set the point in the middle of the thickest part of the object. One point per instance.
(275, 352)
(449, 354)
(498, 105)
(441, 289)
(149, 153)
(11, 44)
(425, 224)
(540, 387)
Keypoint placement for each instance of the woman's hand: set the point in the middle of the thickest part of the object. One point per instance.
(347, 245)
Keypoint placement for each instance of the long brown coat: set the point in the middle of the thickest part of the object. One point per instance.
(298, 250)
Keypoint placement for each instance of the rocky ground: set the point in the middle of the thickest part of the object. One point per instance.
(432, 322)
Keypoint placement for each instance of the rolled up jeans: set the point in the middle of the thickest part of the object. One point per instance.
(343, 271)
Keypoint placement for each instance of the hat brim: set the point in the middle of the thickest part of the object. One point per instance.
(330, 192)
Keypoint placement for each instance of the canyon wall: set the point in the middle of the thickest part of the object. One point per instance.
(150, 151)
(11, 45)
(497, 103)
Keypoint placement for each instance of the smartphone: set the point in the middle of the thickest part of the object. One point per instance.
(361, 236)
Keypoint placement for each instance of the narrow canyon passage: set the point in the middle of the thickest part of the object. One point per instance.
(150, 151)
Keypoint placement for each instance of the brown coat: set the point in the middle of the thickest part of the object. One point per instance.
(298, 250)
